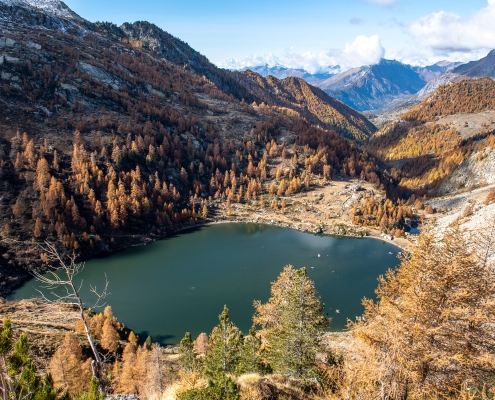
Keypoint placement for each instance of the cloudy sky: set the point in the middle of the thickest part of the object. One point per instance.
(314, 34)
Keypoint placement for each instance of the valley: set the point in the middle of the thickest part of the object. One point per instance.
(281, 195)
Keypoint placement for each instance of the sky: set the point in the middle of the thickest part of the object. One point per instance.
(314, 34)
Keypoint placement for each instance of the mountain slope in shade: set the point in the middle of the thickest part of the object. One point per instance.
(371, 87)
(477, 69)
(432, 72)
(309, 102)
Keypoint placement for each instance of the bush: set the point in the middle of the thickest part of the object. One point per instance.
(227, 391)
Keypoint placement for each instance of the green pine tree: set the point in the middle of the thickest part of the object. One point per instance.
(148, 343)
(222, 355)
(18, 372)
(93, 393)
(188, 360)
(294, 321)
(250, 355)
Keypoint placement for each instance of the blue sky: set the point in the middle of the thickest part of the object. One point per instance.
(314, 33)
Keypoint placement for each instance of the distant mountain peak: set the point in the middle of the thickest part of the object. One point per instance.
(54, 7)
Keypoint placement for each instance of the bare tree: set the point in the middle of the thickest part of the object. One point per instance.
(60, 281)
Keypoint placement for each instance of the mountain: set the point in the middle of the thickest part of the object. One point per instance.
(370, 87)
(432, 72)
(309, 102)
(112, 136)
(426, 144)
(478, 69)
(281, 72)
(50, 7)
(485, 67)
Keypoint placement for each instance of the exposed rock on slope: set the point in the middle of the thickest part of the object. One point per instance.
(477, 170)
(53, 7)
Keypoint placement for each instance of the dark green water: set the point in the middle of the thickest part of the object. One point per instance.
(181, 284)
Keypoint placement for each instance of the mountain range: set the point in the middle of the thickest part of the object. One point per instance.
(370, 87)
(389, 84)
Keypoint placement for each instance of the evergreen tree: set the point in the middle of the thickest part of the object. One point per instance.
(18, 376)
(250, 355)
(93, 393)
(293, 321)
(222, 355)
(148, 343)
(188, 358)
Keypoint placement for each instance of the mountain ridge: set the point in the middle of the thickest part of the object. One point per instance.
(54, 7)
(292, 92)
(369, 87)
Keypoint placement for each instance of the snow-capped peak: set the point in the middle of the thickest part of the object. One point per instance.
(54, 7)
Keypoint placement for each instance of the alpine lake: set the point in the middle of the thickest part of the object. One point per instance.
(180, 284)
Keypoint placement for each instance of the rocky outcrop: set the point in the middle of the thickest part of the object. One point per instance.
(476, 171)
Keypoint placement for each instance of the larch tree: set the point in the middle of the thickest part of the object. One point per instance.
(125, 380)
(109, 336)
(154, 383)
(70, 373)
(133, 339)
(431, 331)
(293, 321)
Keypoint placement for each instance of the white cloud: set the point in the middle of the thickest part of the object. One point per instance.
(362, 51)
(421, 56)
(446, 31)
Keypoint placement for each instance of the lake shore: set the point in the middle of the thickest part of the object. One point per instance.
(324, 209)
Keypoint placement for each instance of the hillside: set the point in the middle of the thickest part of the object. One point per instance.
(105, 143)
(309, 102)
(431, 140)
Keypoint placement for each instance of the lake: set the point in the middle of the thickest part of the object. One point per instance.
(180, 284)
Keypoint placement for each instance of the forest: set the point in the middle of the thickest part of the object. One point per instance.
(116, 136)
(428, 335)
